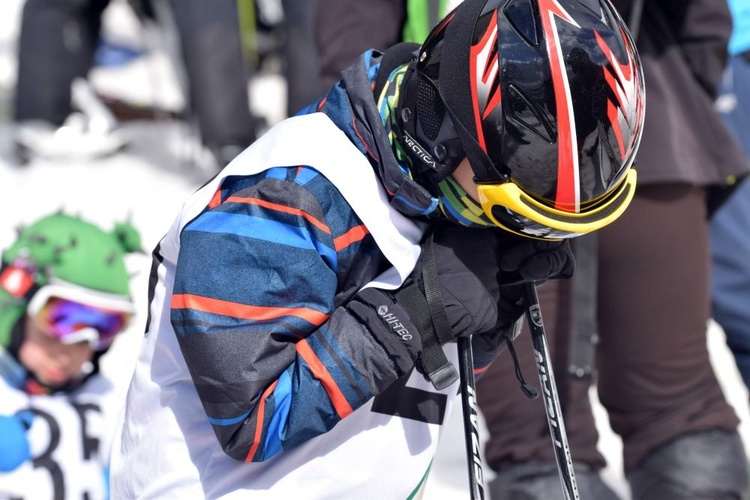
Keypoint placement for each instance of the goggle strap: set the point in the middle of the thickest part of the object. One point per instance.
(484, 170)
(455, 82)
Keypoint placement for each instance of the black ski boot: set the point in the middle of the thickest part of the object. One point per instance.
(708, 465)
(541, 481)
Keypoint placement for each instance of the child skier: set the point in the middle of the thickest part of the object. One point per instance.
(306, 302)
(64, 297)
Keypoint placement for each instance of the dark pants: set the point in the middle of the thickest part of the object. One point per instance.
(216, 70)
(654, 374)
(344, 29)
(300, 55)
(57, 43)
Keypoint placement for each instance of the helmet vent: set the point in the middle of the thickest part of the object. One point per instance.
(520, 14)
(594, 6)
(430, 109)
(524, 113)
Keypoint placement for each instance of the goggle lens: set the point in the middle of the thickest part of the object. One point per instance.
(507, 218)
(65, 318)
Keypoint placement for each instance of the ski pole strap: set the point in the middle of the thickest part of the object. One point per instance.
(585, 328)
(434, 362)
(432, 292)
(428, 314)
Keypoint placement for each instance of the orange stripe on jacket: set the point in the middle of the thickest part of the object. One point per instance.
(340, 404)
(281, 208)
(353, 235)
(215, 200)
(235, 310)
(259, 422)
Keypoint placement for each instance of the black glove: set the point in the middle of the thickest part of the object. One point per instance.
(477, 277)
(479, 265)
(441, 300)
(466, 266)
(390, 325)
(522, 259)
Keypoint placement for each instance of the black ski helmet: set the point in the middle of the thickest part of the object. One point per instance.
(546, 100)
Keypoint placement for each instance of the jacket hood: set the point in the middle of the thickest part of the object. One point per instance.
(351, 105)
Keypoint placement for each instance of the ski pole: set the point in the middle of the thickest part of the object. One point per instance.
(471, 417)
(551, 398)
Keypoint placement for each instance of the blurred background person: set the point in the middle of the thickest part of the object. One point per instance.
(651, 294)
(344, 29)
(730, 226)
(57, 44)
(64, 298)
(301, 65)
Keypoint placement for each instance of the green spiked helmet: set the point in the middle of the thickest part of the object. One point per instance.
(64, 256)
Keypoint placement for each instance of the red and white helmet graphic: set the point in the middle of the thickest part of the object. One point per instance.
(548, 94)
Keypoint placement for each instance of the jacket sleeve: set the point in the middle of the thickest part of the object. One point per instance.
(274, 356)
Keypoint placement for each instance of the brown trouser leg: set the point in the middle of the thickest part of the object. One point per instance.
(654, 375)
(518, 426)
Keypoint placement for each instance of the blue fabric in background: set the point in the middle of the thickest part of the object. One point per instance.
(111, 54)
(740, 41)
(730, 226)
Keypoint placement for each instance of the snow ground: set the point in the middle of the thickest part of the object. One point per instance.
(148, 182)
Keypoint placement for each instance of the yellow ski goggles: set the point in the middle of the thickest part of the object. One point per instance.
(510, 208)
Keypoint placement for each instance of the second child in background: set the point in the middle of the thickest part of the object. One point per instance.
(64, 298)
